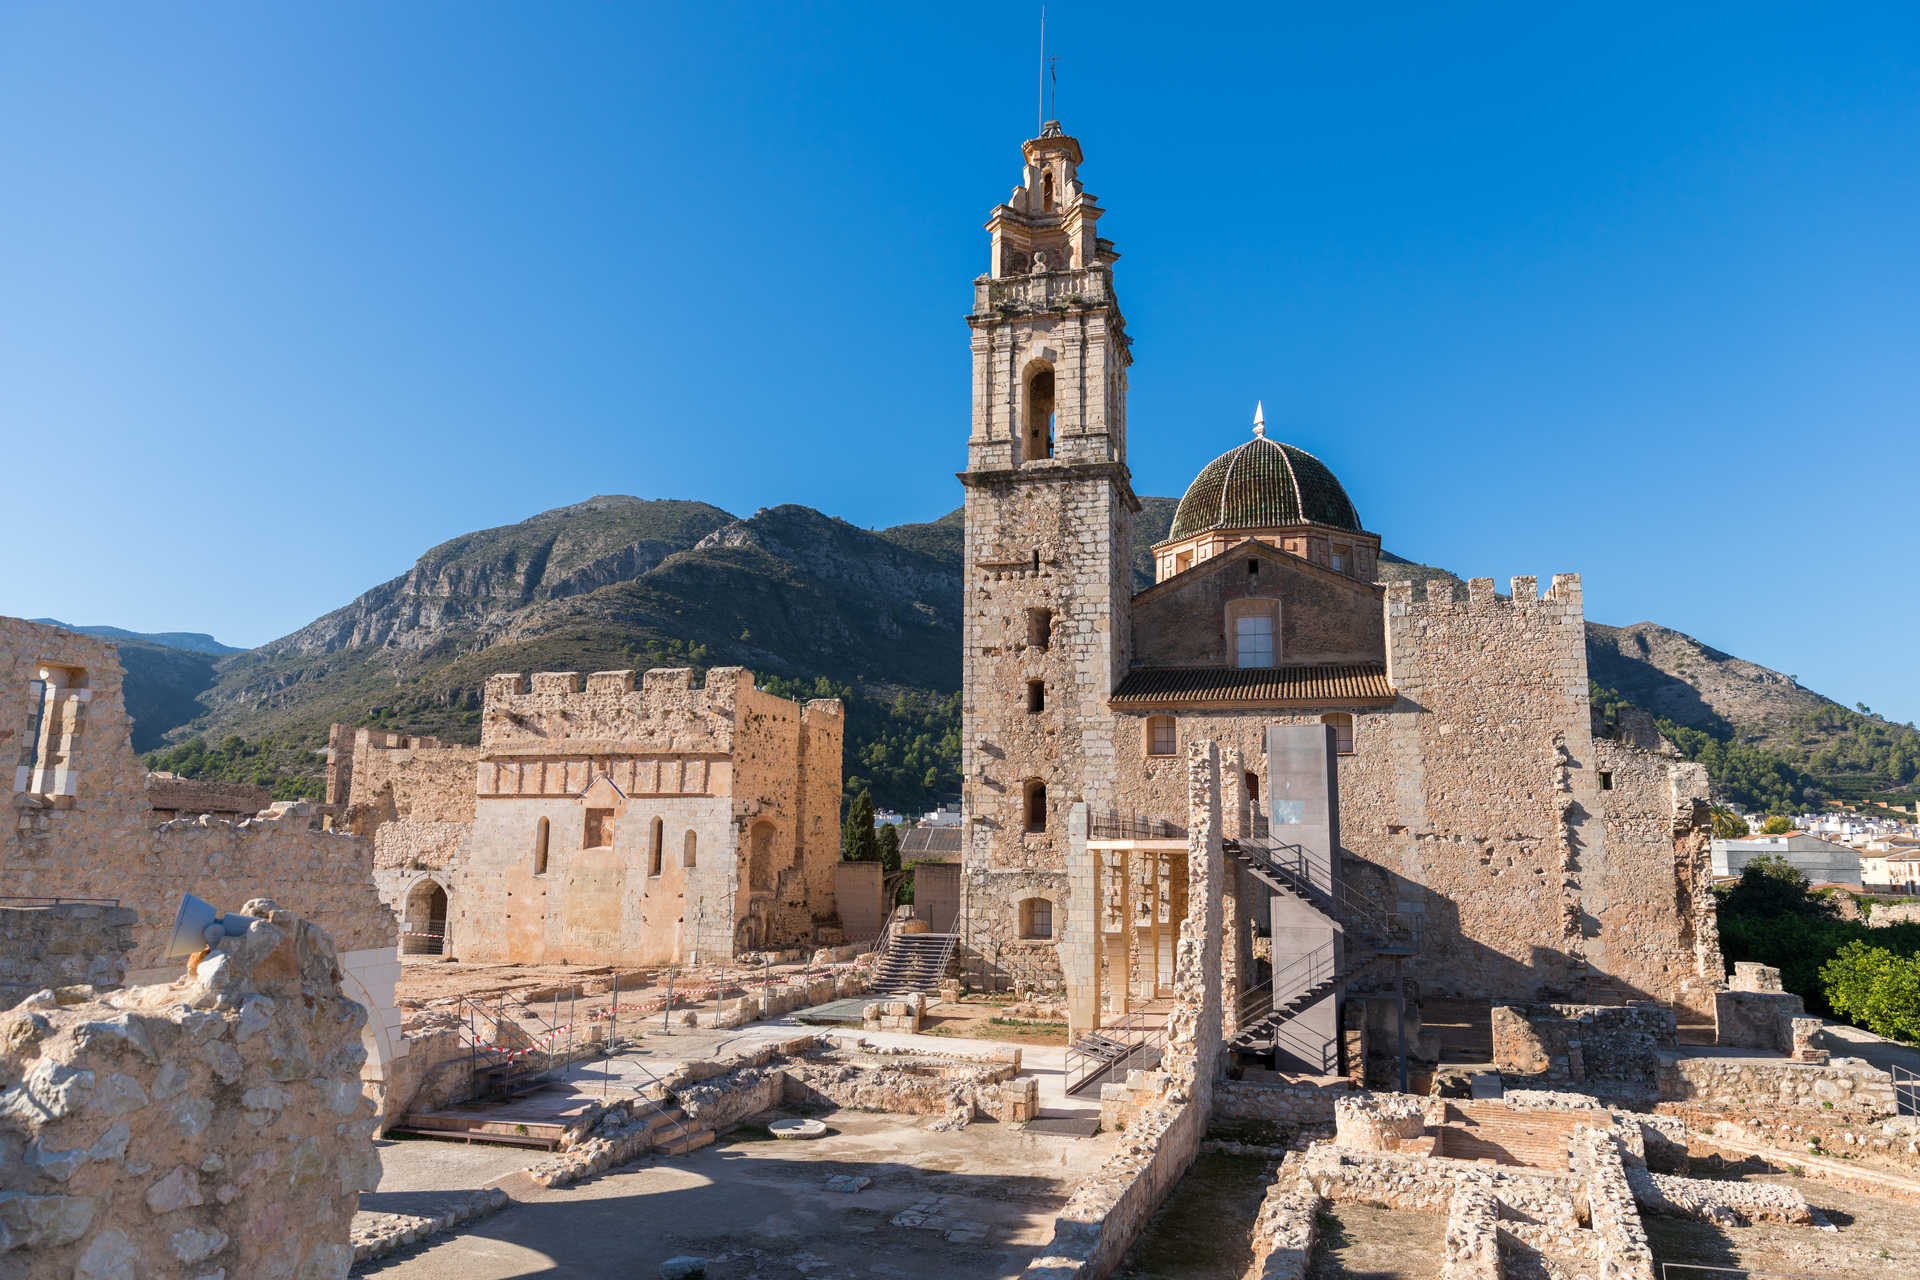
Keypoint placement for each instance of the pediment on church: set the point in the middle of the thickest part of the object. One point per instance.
(1315, 616)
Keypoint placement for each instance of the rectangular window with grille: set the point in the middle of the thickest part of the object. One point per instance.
(1160, 736)
(1253, 640)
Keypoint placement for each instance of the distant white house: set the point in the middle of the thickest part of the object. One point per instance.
(1820, 861)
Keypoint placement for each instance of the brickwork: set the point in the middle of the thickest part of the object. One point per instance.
(214, 1126)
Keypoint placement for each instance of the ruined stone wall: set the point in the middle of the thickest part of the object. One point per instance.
(214, 1126)
(93, 797)
(1582, 1044)
(62, 945)
(422, 779)
(173, 797)
(1750, 1082)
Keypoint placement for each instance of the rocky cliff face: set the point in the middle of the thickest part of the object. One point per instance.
(1674, 675)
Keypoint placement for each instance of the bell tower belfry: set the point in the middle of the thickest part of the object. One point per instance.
(1049, 516)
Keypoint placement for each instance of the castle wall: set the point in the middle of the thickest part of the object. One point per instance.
(747, 775)
(1324, 618)
(421, 779)
(1475, 802)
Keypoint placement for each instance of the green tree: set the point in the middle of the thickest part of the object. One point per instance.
(1876, 989)
(1778, 825)
(1771, 887)
(858, 843)
(1728, 825)
(887, 841)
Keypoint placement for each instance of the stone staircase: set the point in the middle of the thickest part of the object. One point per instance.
(913, 962)
(672, 1134)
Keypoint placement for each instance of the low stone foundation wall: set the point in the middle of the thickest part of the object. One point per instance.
(1285, 1229)
(1844, 1086)
(1427, 1184)
(1471, 1250)
(1624, 1252)
(64, 944)
(901, 1013)
(1582, 1044)
(1279, 1104)
(1727, 1204)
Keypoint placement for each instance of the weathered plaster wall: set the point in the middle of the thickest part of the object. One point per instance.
(214, 1126)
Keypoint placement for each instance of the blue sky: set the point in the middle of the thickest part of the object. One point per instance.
(297, 291)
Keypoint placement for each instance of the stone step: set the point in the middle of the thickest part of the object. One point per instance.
(690, 1140)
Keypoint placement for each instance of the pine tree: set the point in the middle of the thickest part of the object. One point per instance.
(857, 840)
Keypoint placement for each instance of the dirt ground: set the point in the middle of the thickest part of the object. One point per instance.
(1366, 1242)
(976, 1018)
(1875, 1239)
(978, 1202)
(1204, 1231)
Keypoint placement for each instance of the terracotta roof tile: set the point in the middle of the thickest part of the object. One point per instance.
(1193, 686)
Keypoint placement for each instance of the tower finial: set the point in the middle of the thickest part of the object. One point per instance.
(1259, 420)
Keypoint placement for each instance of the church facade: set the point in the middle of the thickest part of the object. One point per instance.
(1542, 856)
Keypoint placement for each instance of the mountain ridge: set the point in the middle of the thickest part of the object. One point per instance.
(810, 602)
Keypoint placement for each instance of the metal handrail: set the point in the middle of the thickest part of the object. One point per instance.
(1113, 1049)
(36, 900)
(1264, 1001)
(1110, 824)
(1313, 876)
(1906, 1090)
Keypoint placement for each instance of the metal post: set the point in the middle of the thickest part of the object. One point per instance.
(613, 1026)
(1400, 1023)
(766, 981)
(666, 1010)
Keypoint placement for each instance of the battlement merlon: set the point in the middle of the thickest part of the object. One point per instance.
(614, 712)
(1429, 639)
(1439, 594)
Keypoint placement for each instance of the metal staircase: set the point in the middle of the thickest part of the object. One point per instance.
(913, 962)
(1362, 935)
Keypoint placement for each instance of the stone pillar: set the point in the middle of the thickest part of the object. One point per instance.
(1194, 1030)
(1080, 932)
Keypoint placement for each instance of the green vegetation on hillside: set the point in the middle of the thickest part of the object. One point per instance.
(288, 769)
(1834, 754)
(1869, 977)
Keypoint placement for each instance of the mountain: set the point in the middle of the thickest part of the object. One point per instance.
(815, 606)
(191, 641)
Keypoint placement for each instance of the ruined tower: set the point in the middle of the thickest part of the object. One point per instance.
(1049, 511)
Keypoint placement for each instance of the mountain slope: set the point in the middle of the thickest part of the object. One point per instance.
(813, 605)
(190, 641)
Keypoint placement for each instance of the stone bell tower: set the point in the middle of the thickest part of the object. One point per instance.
(1049, 513)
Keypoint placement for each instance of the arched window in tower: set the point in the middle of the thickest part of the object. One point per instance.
(1046, 192)
(687, 849)
(1038, 442)
(1034, 801)
(656, 836)
(540, 847)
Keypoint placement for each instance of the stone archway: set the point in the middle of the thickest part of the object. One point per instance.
(424, 929)
(760, 870)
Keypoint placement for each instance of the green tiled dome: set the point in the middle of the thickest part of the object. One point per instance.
(1259, 485)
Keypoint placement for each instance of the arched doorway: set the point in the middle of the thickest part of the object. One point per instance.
(760, 858)
(424, 933)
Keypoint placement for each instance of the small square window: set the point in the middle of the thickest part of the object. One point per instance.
(1161, 737)
(1606, 780)
(599, 829)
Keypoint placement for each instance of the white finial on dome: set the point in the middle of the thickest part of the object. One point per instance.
(1259, 419)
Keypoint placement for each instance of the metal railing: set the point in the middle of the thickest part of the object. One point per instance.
(1133, 1042)
(1108, 824)
(1311, 875)
(1702, 1271)
(1906, 1091)
(30, 900)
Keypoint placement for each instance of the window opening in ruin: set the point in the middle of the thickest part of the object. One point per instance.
(1036, 918)
(1183, 562)
(54, 708)
(1036, 696)
(1036, 805)
(598, 833)
(1253, 640)
(1036, 559)
(1342, 725)
(656, 837)
(1606, 780)
(425, 928)
(1161, 740)
(1039, 439)
(1253, 568)
(1253, 786)
(687, 849)
(540, 833)
(1046, 192)
(1039, 627)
